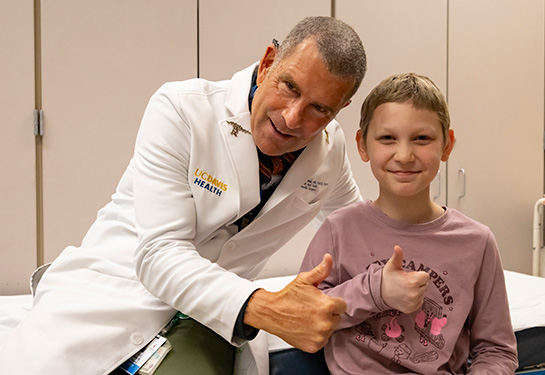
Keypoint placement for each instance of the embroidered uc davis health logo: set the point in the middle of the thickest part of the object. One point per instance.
(206, 181)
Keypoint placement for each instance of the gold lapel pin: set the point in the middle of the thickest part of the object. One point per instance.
(237, 128)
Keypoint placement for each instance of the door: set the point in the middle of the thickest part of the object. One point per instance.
(102, 61)
(231, 43)
(399, 37)
(496, 86)
(17, 157)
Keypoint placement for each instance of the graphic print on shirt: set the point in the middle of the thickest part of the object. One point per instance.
(401, 352)
(392, 330)
(429, 323)
(411, 338)
(366, 335)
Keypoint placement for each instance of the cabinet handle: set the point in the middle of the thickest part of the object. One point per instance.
(462, 172)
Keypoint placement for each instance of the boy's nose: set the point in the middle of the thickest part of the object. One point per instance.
(404, 154)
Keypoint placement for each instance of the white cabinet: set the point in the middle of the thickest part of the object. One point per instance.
(101, 62)
(229, 43)
(487, 58)
(395, 40)
(234, 34)
(18, 176)
(399, 37)
(495, 93)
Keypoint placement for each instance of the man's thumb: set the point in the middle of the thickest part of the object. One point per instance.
(396, 261)
(320, 272)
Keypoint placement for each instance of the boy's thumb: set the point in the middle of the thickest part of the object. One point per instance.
(396, 261)
(318, 273)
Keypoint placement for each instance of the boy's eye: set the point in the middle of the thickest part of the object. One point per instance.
(423, 139)
(386, 138)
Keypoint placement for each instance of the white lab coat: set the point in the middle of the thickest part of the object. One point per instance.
(165, 242)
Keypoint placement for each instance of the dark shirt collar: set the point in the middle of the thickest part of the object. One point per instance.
(253, 88)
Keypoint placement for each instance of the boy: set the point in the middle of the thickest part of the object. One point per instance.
(440, 298)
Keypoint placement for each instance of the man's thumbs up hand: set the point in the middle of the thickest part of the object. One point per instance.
(319, 273)
(403, 291)
(300, 314)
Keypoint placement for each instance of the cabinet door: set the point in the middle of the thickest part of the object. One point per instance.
(399, 37)
(234, 34)
(102, 60)
(18, 181)
(230, 43)
(496, 86)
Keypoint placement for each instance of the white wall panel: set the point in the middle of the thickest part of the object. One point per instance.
(399, 37)
(18, 183)
(496, 86)
(235, 34)
(102, 60)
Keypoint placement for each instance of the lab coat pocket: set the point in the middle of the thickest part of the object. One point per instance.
(303, 206)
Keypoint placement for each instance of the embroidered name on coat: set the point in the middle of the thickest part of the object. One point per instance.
(209, 182)
(314, 185)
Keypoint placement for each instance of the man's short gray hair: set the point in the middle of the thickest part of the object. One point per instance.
(338, 44)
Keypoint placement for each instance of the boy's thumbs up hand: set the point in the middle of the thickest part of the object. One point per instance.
(403, 291)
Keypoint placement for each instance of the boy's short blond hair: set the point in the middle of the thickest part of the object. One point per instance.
(407, 87)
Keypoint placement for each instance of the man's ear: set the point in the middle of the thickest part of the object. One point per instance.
(451, 140)
(265, 63)
(361, 146)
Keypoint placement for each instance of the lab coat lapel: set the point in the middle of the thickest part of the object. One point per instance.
(241, 146)
(243, 159)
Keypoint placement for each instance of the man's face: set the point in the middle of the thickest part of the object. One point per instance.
(295, 100)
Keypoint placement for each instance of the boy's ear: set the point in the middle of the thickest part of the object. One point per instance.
(361, 146)
(449, 145)
(265, 63)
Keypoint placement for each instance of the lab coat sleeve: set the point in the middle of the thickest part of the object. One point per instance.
(492, 341)
(167, 261)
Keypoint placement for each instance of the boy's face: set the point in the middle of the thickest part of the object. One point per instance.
(405, 147)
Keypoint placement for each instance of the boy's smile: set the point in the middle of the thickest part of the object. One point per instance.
(405, 147)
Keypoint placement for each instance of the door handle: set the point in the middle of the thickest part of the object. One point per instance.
(462, 172)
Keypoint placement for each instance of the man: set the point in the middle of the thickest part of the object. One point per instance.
(193, 221)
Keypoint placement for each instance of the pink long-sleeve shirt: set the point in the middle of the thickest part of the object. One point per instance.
(465, 312)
